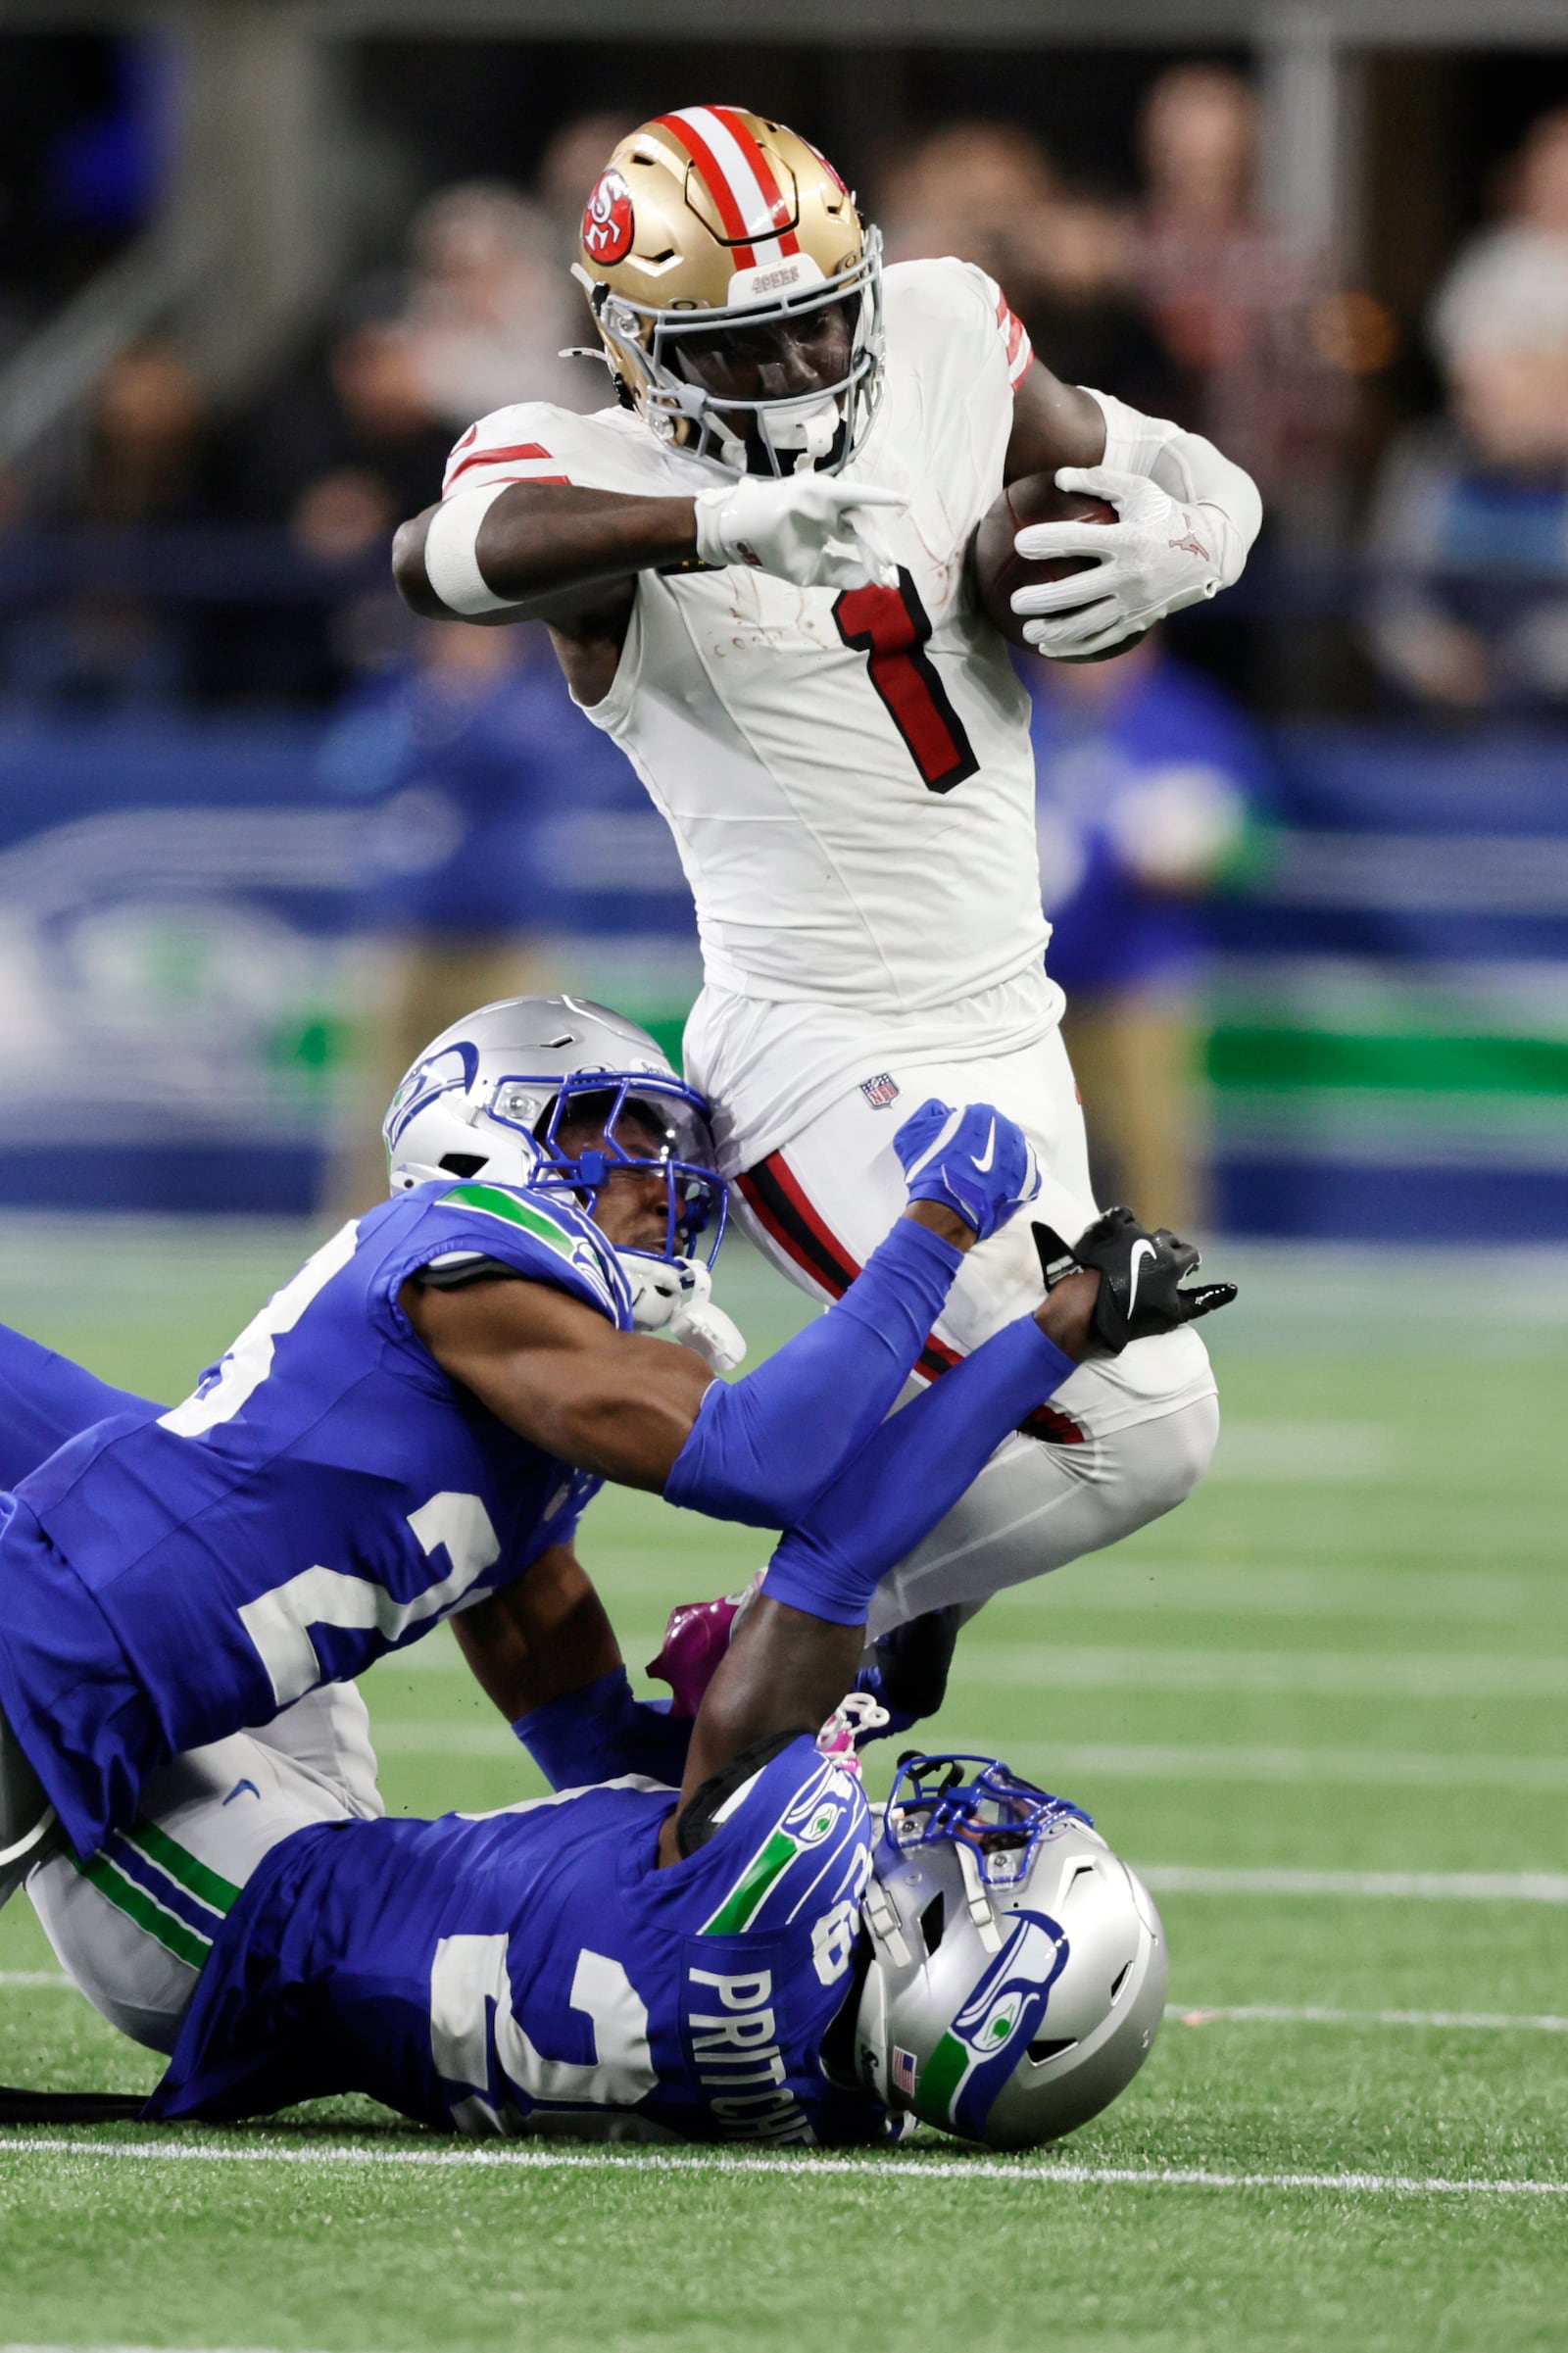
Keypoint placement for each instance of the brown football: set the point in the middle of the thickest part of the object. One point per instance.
(998, 566)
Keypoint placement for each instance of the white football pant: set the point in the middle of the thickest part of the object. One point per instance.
(1127, 1438)
(132, 1927)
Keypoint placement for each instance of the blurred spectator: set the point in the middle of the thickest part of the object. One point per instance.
(462, 755)
(1081, 316)
(343, 448)
(492, 306)
(1470, 537)
(337, 451)
(1247, 311)
(1508, 289)
(975, 189)
(571, 167)
(988, 192)
(1470, 524)
(148, 440)
(1146, 774)
(146, 463)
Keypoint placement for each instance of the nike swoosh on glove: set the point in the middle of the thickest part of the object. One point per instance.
(1156, 558)
(975, 1160)
(1141, 1275)
(813, 529)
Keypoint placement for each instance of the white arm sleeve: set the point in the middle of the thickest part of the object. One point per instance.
(451, 552)
(1186, 468)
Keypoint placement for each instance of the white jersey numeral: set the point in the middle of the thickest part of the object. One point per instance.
(280, 1622)
(469, 1972)
(250, 1359)
(833, 1941)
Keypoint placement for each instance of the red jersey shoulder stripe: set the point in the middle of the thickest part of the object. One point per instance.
(517, 453)
(1020, 351)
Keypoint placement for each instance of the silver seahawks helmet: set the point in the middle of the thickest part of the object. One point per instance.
(1018, 1975)
(493, 1095)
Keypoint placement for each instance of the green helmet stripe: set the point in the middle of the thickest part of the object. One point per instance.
(940, 2081)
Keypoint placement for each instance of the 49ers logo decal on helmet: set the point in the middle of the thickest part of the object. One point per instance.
(607, 225)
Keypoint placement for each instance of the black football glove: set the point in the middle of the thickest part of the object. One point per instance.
(1141, 1277)
(910, 1677)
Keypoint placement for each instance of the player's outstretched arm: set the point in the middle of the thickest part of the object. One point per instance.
(624, 1406)
(535, 550)
(638, 1411)
(798, 1648)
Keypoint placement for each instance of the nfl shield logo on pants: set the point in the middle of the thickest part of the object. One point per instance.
(880, 1092)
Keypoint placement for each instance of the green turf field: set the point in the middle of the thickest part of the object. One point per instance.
(1322, 1707)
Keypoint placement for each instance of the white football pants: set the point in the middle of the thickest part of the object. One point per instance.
(132, 1927)
(1127, 1438)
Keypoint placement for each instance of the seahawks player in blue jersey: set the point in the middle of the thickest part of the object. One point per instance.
(356, 1919)
(747, 1959)
(412, 1424)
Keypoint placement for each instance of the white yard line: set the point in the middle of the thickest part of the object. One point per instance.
(1163, 1589)
(51, 1980)
(1070, 1766)
(1127, 1667)
(1277, 2014)
(887, 2169)
(1419, 1886)
(1320, 1674)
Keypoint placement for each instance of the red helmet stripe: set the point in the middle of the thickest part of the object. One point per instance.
(717, 186)
(739, 178)
(777, 203)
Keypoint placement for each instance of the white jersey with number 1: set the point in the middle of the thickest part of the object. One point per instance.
(848, 775)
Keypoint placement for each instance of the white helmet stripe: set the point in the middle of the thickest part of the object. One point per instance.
(749, 209)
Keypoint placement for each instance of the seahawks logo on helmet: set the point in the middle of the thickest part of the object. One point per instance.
(980, 2049)
(454, 1067)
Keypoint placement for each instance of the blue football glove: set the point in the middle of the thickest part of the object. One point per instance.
(973, 1160)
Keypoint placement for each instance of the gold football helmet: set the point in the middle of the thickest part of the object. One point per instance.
(713, 217)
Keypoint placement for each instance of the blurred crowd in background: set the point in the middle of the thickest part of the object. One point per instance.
(1179, 295)
(1424, 463)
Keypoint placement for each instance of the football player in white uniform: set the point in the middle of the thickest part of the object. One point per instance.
(753, 572)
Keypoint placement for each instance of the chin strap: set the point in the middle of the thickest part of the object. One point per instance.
(674, 1296)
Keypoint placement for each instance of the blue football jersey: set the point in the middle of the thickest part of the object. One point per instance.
(325, 1494)
(532, 1970)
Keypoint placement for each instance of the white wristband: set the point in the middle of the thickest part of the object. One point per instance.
(708, 510)
(451, 552)
(1190, 470)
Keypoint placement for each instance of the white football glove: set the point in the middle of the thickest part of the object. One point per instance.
(674, 1296)
(1157, 557)
(809, 528)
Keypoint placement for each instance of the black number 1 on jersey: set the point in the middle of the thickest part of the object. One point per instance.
(890, 626)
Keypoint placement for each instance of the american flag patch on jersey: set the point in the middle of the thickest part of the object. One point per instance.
(880, 1092)
(903, 2072)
